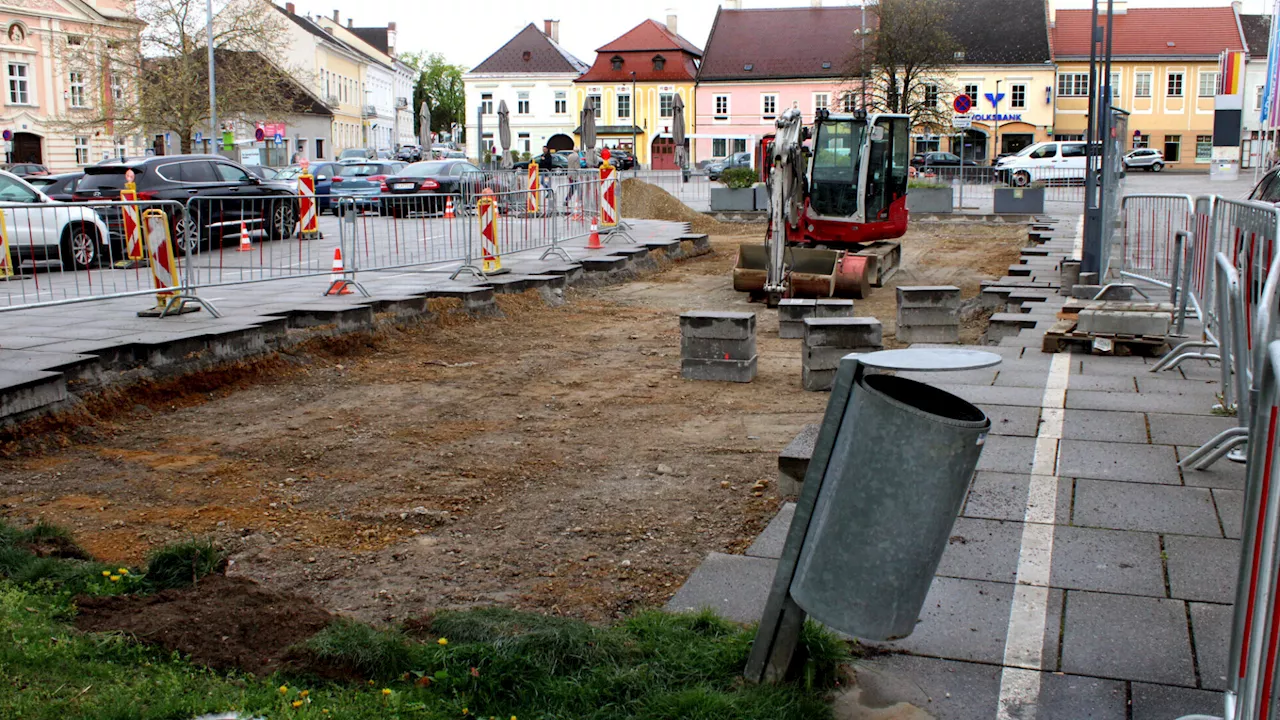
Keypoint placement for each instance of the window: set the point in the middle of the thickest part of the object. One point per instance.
(1174, 87)
(1204, 148)
(1208, 87)
(1172, 148)
(666, 104)
(1017, 96)
(740, 145)
(821, 101)
(624, 106)
(122, 150)
(659, 63)
(721, 103)
(319, 148)
(719, 147)
(1072, 150)
(769, 105)
(82, 150)
(18, 80)
(75, 40)
(615, 62)
(562, 103)
(522, 141)
(931, 96)
(1142, 84)
(594, 101)
(1044, 151)
(75, 84)
(1141, 141)
(486, 103)
(231, 173)
(972, 91)
(1073, 84)
(117, 90)
(1067, 138)
(14, 191)
(1115, 88)
(522, 103)
(849, 102)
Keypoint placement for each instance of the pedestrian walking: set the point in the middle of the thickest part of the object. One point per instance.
(575, 163)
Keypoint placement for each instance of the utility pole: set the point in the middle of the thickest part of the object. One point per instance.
(635, 113)
(862, 54)
(213, 88)
(995, 122)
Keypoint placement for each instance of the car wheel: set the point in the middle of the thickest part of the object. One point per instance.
(1157, 167)
(1022, 178)
(79, 246)
(283, 219)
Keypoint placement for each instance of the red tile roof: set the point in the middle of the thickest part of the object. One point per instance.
(638, 47)
(1148, 32)
(649, 35)
(530, 51)
(801, 40)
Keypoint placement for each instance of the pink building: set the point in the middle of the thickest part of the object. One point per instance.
(758, 63)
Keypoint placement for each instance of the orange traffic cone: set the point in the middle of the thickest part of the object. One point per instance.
(593, 242)
(336, 284)
(245, 245)
(448, 209)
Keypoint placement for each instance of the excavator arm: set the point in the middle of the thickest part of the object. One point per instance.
(786, 196)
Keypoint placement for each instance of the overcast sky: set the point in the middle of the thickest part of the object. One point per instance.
(467, 31)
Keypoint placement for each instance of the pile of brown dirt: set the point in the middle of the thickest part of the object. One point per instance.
(650, 202)
(221, 622)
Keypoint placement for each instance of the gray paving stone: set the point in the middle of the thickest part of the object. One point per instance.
(1190, 430)
(1139, 402)
(981, 549)
(966, 377)
(1230, 510)
(1222, 474)
(984, 395)
(1004, 453)
(1166, 702)
(1130, 462)
(1114, 561)
(1198, 370)
(1101, 425)
(1003, 496)
(1072, 697)
(1202, 568)
(1127, 637)
(1171, 384)
(1013, 420)
(1211, 632)
(770, 541)
(1143, 507)
(736, 586)
(945, 689)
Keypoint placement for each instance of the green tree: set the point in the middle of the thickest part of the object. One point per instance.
(440, 84)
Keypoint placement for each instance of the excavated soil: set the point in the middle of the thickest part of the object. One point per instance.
(551, 459)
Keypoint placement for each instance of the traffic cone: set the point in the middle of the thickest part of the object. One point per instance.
(245, 245)
(593, 242)
(448, 209)
(336, 284)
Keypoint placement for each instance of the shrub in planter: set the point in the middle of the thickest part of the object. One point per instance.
(739, 178)
(924, 196)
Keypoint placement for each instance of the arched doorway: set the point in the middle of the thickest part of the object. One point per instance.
(26, 148)
(662, 154)
(559, 142)
(975, 145)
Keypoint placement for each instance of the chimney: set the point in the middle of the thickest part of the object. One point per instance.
(671, 21)
(1118, 7)
(1053, 13)
(551, 28)
(391, 38)
(732, 4)
(290, 8)
(335, 17)
(815, 3)
(350, 23)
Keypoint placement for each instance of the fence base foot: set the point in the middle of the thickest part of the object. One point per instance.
(1176, 355)
(317, 235)
(180, 305)
(558, 252)
(131, 264)
(343, 287)
(468, 268)
(1227, 441)
(1131, 286)
(619, 230)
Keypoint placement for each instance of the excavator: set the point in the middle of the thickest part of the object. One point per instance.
(834, 207)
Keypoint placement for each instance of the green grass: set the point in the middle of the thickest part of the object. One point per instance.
(496, 663)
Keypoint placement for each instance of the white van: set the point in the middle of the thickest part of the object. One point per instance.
(1043, 162)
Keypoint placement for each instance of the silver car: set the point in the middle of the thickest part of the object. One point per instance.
(1148, 159)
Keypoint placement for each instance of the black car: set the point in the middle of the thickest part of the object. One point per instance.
(939, 159)
(58, 187)
(261, 171)
(434, 177)
(218, 194)
(621, 159)
(558, 162)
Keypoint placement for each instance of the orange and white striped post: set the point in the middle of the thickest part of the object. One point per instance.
(164, 266)
(308, 217)
(608, 195)
(531, 203)
(487, 209)
(6, 257)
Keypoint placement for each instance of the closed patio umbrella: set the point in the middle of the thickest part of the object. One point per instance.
(424, 128)
(589, 133)
(504, 132)
(677, 131)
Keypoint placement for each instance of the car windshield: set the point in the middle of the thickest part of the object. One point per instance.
(1025, 151)
(354, 153)
(42, 181)
(110, 177)
(289, 173)
(425, 169)
(363, 170)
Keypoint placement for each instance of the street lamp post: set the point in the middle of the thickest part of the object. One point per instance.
(635, 110)
(995, 124)
(213, 88)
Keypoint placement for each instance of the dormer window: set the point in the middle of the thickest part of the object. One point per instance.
(526, 55)
(748, 67)
(959, 56)
(616, 62)
(659, 62)
(826, 64)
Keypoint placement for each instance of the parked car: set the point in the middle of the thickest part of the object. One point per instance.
(1043, 161)
(322, 175)
(241, 197)
(558, 162)
(357, 155)
(27, 169)
(621, 159)
(939, 159)
(1268, 188)
(261, 171)
(362, 184)
(41, 229)
(736, 160)
(58, 187)
(409, 153)
(1148, 159)
(582, 160)
(455, 155)
(434, 177)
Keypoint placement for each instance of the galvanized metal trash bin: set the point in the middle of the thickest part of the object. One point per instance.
(897, 477)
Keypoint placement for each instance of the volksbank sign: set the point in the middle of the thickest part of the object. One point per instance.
(1013, 117)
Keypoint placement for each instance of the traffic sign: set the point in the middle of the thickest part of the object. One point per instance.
(199, 137)
(961, 122)
(259, 134)
(962, 104)
(8, 135)
(279, 138)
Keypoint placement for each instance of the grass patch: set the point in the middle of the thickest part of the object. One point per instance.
(182, 564)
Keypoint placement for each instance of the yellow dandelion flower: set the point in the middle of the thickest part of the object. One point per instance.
(284, 689)
(370, 683)
(304, 693)
(106, 573)
(115, 578)
(297, 703)
(386, 691)
(123, 571)
(443, 641)
(464, 710)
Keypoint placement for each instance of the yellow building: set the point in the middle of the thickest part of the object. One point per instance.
(335, 71)
(1164, 71)
(634, 83)
(1011, 108)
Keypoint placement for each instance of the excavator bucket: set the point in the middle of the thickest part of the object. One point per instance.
(810, 273)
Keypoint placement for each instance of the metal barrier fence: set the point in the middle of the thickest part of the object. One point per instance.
(1058, 184)
(693, 188)
(1149, 250)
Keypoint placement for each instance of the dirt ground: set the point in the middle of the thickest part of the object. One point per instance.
(551, 459)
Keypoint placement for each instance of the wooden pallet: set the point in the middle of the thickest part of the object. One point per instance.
(1063, 337)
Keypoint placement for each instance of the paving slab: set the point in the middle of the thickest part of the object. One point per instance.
(945, 689)
(1130, 462)
(985, 394)
(1222, 474)
(769, 543)
(1211, 630)
(1138, 402)
(1166, 702)
(1127, 637)
(1202, 568)
(1167, 429)
(981, 549)
(1115, 561)
(1144, 507)
(1230, 510)
(1003, 496)
(1199, 370)
(1004, 453)
(1073, 697)
(1013, 419)
(1102, 425)
(1172, 384)
(735, 586)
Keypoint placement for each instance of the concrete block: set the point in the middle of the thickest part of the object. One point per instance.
(742, 371)
(929, 333)
(927, 316)
(817, 380)
(1124, 323)
(796, 309)
(793, 461)
(1003, 325)
(717, 348)
(1088, 278)
(828, 358)
(1068, 276)
(856, 332)
(833, 307)
(790, 329)
(718, 325)
(929, 296)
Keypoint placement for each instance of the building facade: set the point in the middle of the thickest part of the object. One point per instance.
(634, 82)
(381, 105)
(1257, 38)
(50, 97)
(1164, 73)
(534, 75)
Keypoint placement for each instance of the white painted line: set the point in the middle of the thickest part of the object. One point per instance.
(1029, 610)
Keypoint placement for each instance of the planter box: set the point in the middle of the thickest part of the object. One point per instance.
(733, 199)
(1024, 201)
(929, 200)
(762, 197)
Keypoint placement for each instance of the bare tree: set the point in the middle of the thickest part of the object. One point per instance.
(160, 80)
(906, 59)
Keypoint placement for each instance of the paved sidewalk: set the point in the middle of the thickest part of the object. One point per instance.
(1088, 576)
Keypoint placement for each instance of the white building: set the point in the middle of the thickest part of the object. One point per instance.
(404, 80)
(1257, 36)
(535, 76)
(376, 45)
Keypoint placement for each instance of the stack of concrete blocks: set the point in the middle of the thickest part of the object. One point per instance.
(929, 314)
(1137, 319)
(826, 340)
(792, 313)
(718, 346)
